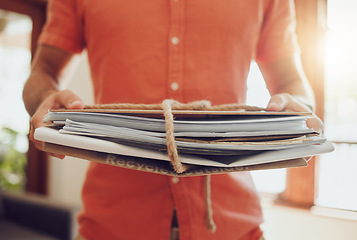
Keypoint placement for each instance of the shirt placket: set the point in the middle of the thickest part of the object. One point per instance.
(175, 91)
(183, 208)
(175, 57)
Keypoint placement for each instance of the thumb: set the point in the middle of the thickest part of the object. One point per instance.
(75, 104)
(277, 103)
(70, 100)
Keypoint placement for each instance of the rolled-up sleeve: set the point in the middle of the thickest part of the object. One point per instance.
(278, 39)
(64, 27)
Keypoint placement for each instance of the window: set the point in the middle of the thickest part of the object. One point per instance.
(337, 173)
(329, 181)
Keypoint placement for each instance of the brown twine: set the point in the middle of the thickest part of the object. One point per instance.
(175, 105)
(210, 224)
(202, 105)
(170, 137)
(233, 107)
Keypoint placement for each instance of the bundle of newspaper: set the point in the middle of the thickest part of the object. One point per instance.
(207, 142)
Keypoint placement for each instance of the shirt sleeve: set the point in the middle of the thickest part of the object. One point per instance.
(278, 38)
(64, 27)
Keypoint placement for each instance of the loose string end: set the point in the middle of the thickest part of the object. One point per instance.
(210, 224)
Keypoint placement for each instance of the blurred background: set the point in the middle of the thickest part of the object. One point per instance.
(317, 202)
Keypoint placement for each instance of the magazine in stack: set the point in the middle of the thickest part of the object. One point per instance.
(208, 142)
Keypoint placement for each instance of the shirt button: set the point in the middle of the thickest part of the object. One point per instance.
(175, 40)
(175, 180)
(174, 86)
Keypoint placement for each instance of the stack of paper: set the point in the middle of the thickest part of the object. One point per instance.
(207, 141)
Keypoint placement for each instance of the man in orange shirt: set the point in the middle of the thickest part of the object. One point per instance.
(148, 51)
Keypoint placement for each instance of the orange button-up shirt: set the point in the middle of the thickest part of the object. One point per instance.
(146, 51)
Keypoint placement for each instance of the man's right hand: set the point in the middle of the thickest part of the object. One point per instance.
(54, 100)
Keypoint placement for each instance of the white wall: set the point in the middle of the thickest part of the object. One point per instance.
(281, 223)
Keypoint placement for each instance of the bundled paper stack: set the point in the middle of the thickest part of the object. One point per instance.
(207, 142)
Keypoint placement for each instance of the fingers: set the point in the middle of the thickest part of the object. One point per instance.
(38, 144)
(284, 101)
(277, 103)
(316, 124)
(69, 100)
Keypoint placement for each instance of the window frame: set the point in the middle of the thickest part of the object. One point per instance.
(37, 164)
(311, 21)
